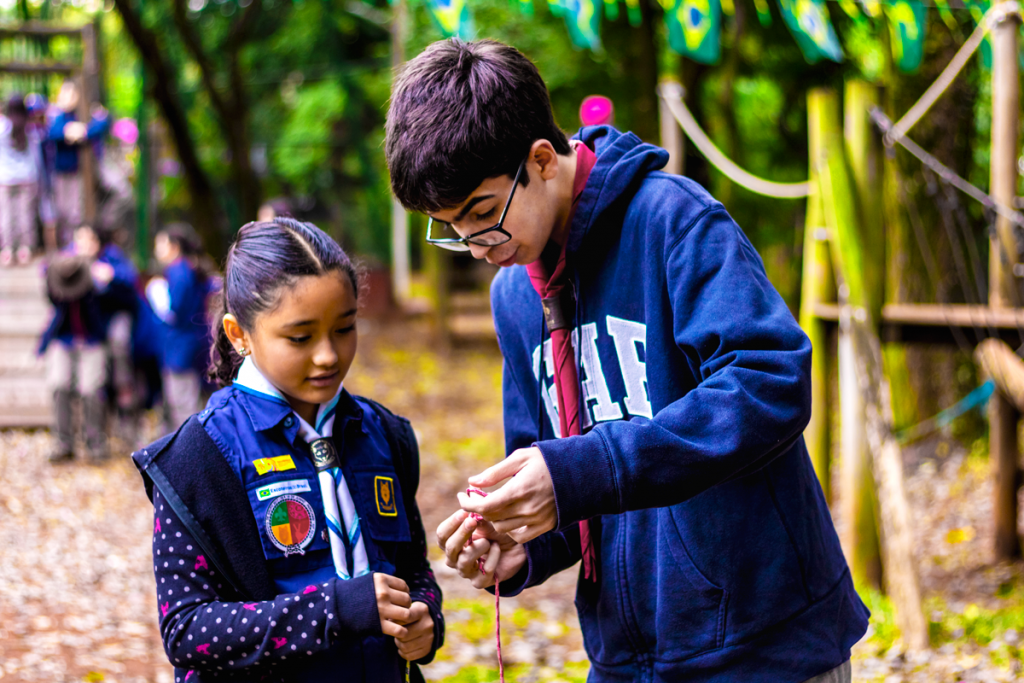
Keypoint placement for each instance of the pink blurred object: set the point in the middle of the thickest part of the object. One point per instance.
(126, 131)
(597, 110)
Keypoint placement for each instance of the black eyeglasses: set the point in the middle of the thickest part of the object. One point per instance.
(444, 235)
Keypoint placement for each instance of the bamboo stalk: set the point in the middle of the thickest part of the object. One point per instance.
(857, 487)
(1003, 417)
(848, 255)
(817, 288)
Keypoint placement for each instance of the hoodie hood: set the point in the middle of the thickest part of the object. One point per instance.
(623, 160)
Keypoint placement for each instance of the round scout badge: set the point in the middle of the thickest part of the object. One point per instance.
(291, 524)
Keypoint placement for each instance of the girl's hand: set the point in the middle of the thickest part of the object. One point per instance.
(393, 604)
(420, 634)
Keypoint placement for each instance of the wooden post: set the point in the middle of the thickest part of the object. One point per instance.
(400, 261)
(1003, 366)
(672, 139)
(1003, 445)
(848, 255)
(86, 159)
(857, 486)
(816, 286)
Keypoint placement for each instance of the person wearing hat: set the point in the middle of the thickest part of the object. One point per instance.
(83, 291)
(21, 167)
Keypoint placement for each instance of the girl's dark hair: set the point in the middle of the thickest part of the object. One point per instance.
(17, 113)
(191, 246)
(265, 258)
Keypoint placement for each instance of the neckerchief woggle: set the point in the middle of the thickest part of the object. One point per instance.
(347, 547)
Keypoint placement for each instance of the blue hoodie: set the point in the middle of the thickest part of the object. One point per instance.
(717, 556)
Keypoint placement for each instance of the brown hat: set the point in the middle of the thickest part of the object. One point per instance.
(69, 278)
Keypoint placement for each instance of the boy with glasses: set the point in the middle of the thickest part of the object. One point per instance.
(655, 389)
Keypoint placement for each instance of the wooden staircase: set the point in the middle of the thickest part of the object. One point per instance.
(25, 311)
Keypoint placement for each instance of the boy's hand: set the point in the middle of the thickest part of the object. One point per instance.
(524, 508)
(465, 540)
(393, 604)
(419, 634)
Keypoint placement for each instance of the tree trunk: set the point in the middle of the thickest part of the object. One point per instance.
(205, 211)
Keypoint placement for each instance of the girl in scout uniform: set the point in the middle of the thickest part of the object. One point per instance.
(287, 542)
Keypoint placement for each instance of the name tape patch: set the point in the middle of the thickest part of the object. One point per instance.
(280, 463)
(281, 488)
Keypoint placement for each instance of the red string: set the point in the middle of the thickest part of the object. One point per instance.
(497, 592)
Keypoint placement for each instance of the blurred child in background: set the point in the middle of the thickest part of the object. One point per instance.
(83, 290)
(21, 168)
(179, 300)
(68, 133)
(122, 309)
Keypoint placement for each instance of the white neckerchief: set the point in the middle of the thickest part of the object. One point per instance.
(338, 503)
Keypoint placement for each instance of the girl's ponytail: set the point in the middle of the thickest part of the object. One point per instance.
(224, 360)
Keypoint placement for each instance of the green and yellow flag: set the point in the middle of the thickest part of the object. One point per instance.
(764, 12)
(583, 17)
(978, 9)
(947, 15)
(907, 21)
(693, 28)
(452, 17)
(808, 21)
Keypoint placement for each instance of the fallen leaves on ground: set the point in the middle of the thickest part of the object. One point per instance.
(76, 586)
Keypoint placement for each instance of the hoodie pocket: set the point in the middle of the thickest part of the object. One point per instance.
(690, 616)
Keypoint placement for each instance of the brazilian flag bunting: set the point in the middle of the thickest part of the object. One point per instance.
(633, 13)
(583, 18)
(978, 9)
(764, 12)
(808, 21)
(907, 21)
(947, 16)
(452, 17)
(693, 28)
(611, 9)
(873, 8)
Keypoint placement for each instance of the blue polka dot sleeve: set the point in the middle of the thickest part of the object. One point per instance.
(202, 631)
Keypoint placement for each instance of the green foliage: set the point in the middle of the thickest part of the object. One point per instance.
(882, 631)
(302, 150)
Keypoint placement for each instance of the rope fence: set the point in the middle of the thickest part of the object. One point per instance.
(672, 94)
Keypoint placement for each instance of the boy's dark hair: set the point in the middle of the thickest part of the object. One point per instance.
(264, 259)
(461, 113)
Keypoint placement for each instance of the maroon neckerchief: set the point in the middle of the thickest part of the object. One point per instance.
(559, 323)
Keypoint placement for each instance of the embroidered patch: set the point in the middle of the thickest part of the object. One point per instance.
(281, 463)
(386, 504)
(281, 488)
(291, 524)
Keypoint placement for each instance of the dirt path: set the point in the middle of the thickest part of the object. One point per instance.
(77, 595)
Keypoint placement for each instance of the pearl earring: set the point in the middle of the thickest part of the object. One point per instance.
(243, 352)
